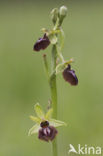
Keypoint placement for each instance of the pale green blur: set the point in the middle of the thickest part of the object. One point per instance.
(23, 81)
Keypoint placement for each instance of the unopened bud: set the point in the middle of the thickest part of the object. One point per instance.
(63, 11)
(62, 14)
(54, 15)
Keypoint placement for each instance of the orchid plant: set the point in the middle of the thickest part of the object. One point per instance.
(46, 123)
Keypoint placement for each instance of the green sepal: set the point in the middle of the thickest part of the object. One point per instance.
(36, 119)
(60, 68)
(57, 123)
(34, 129)
(39, 111)
(49, 114)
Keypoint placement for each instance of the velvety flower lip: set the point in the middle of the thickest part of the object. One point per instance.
(70, 76)
(42, 43)
(47, 134)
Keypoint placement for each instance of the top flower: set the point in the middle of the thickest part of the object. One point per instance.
(42, 43)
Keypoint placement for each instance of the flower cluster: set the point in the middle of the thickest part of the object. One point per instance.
(51, 37)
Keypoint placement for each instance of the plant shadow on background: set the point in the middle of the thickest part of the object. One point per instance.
(23, 81)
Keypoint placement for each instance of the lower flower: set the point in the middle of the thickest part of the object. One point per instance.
(45, 126)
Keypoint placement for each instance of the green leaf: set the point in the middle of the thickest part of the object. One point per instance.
(34, 129)
(57, 123)
(53, 39)
(39, 111)
(36, 119)
(49, 113)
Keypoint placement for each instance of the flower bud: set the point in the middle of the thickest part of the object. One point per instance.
(62, 14)
(54, 15)
(63, 11)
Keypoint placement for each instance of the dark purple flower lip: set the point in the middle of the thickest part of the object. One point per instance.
(70, 76)
(42, 43)
(47, 134)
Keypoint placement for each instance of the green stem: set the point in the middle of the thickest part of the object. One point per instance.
(53, 89)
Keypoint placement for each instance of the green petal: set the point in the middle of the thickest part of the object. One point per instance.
(39, 111)
(36, 119)
(57, 123)
(34, 129)
(49, 113)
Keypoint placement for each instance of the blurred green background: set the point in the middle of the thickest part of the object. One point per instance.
(23, 81)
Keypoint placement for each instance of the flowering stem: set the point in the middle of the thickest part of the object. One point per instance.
(53, 89)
